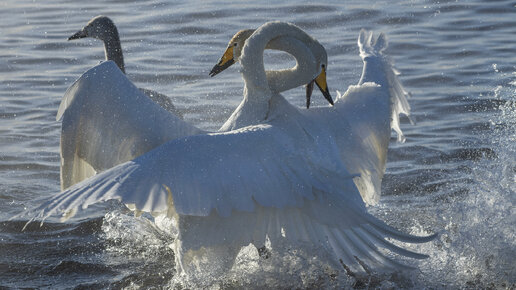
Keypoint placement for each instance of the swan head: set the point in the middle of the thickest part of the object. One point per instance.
(100, 27)
(234, 52)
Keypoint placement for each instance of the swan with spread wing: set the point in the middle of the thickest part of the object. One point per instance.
(279, 173)
(106, 120)
(370, 109)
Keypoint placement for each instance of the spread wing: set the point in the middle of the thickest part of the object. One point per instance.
(106, 121)
(372, 110)
(243, 186)
(220, 171)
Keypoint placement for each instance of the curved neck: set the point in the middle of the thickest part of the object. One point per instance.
(253, 69)
(302, 73)
(113, 49)
(261, 87)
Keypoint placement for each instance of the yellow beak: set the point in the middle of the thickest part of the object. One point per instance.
(320, 80)
(225, 61)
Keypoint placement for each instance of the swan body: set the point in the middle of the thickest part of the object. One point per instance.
(103, 96)
(284, 178)
(104, 29)
(106, 121)
(90, 143)
(371, 108)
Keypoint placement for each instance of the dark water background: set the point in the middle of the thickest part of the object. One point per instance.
(455, 175)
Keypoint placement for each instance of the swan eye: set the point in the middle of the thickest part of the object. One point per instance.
(235, 44)
(323, 66)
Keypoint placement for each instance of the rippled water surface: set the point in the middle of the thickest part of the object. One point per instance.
(455, 175)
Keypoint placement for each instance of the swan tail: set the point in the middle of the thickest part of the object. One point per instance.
(379, 68)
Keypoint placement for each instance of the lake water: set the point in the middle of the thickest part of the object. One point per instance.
(455, 175)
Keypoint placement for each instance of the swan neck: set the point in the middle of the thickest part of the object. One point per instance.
(256, 105)
(253, 69)
(280, 36)
(302, 73)
(113, 50)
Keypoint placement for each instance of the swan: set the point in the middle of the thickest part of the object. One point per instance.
(280, 80)
(103, 96)
(282, 179)
(365, 107)
(255, 105)
(104, 29)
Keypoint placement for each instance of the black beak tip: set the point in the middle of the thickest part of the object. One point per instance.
(78, 35)
(328, 97)
(214, 71)
(309, 89)
(219, 68)
(326, 94)
(330, 100)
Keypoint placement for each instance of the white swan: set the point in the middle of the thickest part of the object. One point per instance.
(102, 97)
(280, 80)
(370, 108)
(104, 29)
(282, 179)
(260, 85)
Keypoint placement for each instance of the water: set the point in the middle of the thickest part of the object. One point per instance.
(455, 174)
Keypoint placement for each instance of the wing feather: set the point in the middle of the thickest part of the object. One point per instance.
(222, 172)
(106, 121)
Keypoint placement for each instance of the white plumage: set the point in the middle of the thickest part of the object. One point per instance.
(106, 121)
(102, 97)
(289, 175)
(103, 28)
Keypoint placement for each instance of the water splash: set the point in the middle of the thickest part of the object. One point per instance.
(138, 250)
(477, 247)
